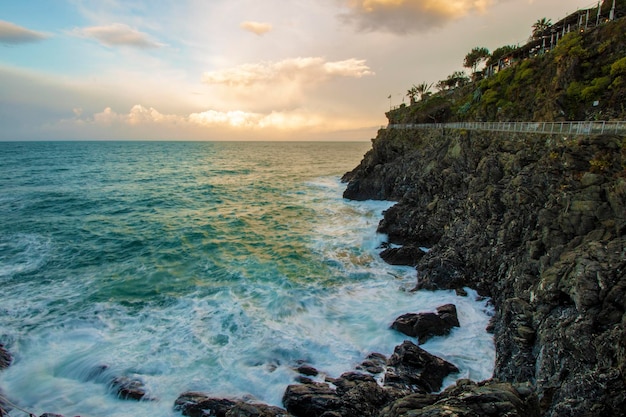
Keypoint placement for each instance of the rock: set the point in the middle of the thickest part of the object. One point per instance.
(5, 358)
(129, 389)
(197, 404)
(405, 255)
(466, 398)
(51, 415)
(413, 369)
(354, 394)
(426, 325)
(375, 363)
(310, 400)
(307, 370)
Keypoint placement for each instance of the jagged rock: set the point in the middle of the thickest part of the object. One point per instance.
(412, 368)
(469, 399)
(197, 404)
(353, 395)
(405, 255)
(5, 358)
(426, 325)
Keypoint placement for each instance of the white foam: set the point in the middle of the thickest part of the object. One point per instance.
(239, 340)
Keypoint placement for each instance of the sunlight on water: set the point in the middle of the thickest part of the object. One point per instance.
(198, 266)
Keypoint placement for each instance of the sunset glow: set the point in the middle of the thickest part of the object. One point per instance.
(244, 70)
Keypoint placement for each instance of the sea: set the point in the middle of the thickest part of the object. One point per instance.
(216, 267)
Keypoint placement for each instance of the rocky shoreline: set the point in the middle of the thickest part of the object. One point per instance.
(537, 223)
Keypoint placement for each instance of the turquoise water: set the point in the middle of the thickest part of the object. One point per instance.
(213, 267)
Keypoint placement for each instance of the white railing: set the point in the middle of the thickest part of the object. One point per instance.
(567, 128)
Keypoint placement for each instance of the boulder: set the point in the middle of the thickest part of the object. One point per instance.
(351, 395)
(413, 369)
(426, 325)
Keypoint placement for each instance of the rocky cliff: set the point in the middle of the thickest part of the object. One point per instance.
(537, 223)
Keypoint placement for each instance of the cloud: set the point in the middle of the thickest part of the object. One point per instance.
(257, 28)
(140, 116)
(304, 69)
(13, 34)
(117, 34)
(406, 16)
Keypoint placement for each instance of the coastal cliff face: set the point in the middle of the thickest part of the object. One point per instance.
(537, 223)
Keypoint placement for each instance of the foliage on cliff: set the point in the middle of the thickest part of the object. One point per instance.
(582, 78)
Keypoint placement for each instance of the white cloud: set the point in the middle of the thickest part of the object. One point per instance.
(10, 33)
(309, 69)
(405, 16)
(142, 117)
(258, 28)
(117, 34)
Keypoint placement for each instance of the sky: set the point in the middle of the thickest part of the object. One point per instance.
(236, 69)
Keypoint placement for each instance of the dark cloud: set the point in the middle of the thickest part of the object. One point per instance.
(407, 16)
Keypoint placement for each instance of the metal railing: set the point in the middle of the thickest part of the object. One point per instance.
(566, 128)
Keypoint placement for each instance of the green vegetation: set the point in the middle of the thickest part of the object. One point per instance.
(582, 78)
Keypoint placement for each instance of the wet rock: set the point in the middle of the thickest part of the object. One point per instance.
(466, 398)
(405, 255)
(375, 363)
(129, 389)
(197, 404)
(307, 370)
(413, 369)
(5, 358)
(351, 395)
(426, 325)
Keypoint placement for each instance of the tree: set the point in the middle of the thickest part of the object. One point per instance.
(423, 89)
(411, 93)
(456, 79)
(541, 26)
(474, 57)
(499, 53)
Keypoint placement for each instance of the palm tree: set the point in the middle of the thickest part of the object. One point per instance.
(422, 89)
(411, 93)
(541, 26)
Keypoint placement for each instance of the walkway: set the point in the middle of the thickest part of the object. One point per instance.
(561, 128)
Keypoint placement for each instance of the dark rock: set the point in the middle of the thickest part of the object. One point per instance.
(307, 370)
(354, 394)
(405, 255)
(375, 363)
(51, 415)
(5, 358)
(412, 368)
(129, 389)
(310, 400)
(197, 404)
(426, 325)
(466, 398)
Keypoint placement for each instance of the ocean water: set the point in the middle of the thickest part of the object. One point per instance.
(212, 267)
